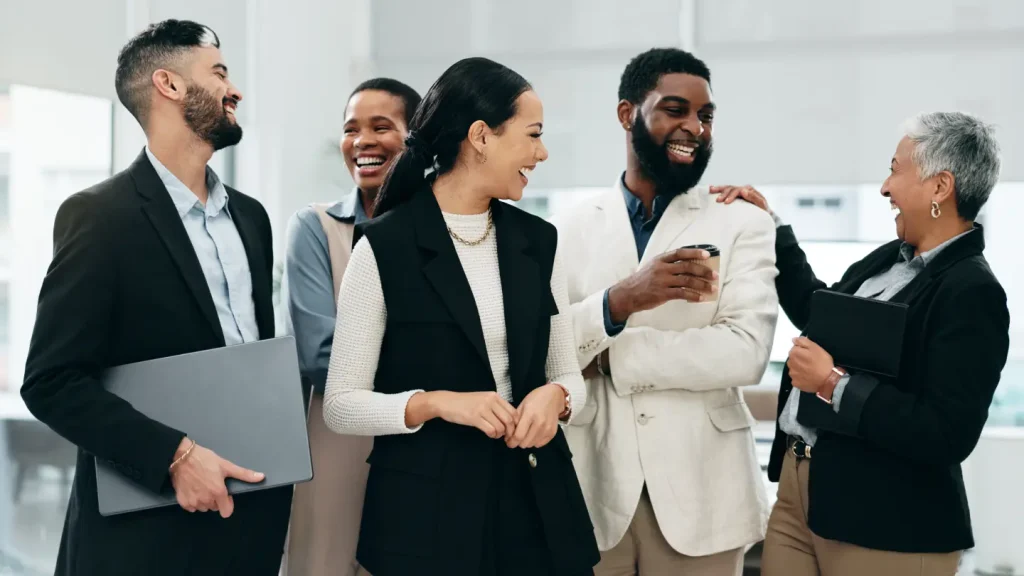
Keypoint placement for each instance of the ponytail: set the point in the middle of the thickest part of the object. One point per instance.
(470, 90)
(405, 178)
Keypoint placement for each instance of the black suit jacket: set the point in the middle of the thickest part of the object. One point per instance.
(125, 285)
(428, 493)
(888, 475)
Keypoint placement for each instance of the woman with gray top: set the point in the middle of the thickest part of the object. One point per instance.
(326, 511)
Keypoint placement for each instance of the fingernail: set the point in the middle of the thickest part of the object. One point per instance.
(704, 254)
(714, 275)
(258, 475)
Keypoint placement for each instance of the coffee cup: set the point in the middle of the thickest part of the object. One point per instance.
(712, 262)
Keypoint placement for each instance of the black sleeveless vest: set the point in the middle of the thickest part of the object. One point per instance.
(426, 496)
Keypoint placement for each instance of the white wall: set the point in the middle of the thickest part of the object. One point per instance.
(572, 51)
(814, 92)
(61, 44)
(809, 92)
(305, 56)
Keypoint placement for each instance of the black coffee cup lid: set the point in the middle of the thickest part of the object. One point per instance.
(709, 248)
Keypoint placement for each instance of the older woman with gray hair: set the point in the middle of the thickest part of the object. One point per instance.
(879, 489)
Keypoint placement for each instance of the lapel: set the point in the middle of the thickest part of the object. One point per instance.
(261, 282)
(616, 231)
(443, 269)
(882, 259)
(972, 244)
(678, 216)
(161, 213)
(874, 264)
(520, 278)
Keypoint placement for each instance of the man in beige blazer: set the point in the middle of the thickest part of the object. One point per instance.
(664, 449)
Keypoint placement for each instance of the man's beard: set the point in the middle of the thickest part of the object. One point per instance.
(669, 177)
(206, 116)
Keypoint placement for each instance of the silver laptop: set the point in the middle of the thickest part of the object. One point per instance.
(243, 402)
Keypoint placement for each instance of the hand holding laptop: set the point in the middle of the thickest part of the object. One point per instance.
(198, 475)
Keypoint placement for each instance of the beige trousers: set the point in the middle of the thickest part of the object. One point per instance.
(326, 511)
(791, 549)
(644, 551)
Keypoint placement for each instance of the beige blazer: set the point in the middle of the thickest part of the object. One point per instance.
(672, 415)
(326, 511)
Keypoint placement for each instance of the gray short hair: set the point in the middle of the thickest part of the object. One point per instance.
(962, 145)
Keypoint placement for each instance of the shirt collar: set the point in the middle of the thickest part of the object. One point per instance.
(183, 198)
(925, 258)
(635, 207)
(349, 208)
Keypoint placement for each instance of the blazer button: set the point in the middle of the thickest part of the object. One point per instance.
(532, 460)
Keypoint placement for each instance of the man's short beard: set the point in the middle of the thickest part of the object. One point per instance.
(208, 119)
(668, 177)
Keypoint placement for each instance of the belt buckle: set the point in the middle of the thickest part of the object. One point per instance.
(796, 452)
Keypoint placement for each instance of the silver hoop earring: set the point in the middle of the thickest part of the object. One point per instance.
(936, 211)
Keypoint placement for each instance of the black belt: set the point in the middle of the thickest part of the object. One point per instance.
(799, 448)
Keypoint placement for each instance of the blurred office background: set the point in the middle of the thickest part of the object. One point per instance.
(811, 95)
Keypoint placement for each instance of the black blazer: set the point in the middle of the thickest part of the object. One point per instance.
(125, 285)
(888, 476)
(428, 492)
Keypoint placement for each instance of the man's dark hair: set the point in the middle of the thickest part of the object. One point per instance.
(410, 98)
(161, 45)
(643, 72)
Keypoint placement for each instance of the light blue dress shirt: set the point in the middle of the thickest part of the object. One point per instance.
(220, 251)
(308, 286)
(882, 287)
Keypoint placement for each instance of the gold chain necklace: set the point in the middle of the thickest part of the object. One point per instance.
(487, 232)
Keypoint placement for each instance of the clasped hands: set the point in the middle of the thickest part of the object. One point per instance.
(532, 425)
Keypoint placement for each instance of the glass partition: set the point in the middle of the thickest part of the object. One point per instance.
(52, 144)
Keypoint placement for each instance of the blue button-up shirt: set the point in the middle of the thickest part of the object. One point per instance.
(220, 251)
(643, 228)
(308, 286)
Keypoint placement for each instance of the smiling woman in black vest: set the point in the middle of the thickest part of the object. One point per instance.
(879, 490)
(454, 348)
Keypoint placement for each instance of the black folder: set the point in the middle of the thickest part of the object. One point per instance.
(861, 334)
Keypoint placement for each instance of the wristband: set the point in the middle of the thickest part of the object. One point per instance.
(831, 382)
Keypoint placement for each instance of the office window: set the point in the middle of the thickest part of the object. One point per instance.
(548, 202)
(52, 144)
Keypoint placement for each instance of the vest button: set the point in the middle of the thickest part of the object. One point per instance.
(532, 460)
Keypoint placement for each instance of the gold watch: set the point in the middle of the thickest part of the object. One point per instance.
(567, 410)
